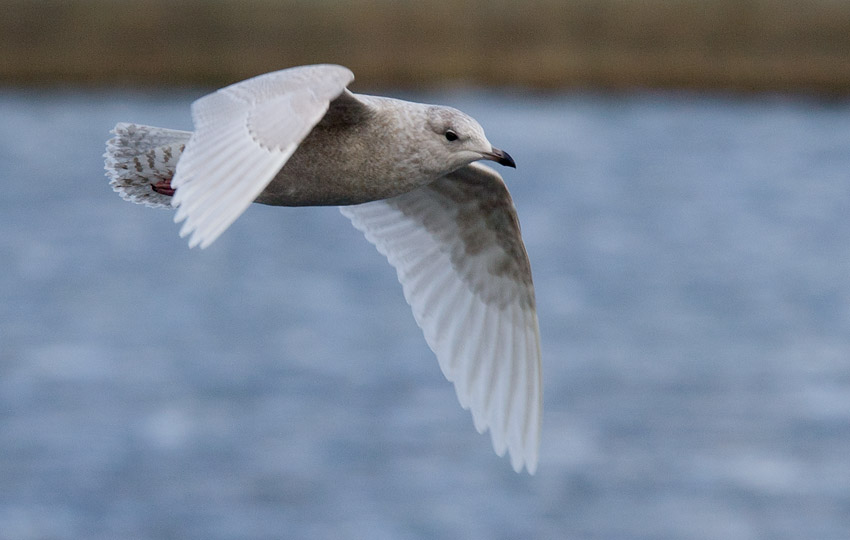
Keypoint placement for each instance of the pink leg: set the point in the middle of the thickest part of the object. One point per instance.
(163, 187)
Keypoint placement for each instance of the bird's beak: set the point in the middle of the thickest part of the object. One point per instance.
(501, 157)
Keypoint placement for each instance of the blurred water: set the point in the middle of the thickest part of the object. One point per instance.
(691, 258)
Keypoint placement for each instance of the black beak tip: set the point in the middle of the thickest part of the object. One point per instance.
(502, 158)
(507, 160)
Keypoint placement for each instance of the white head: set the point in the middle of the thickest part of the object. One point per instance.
(456, 139)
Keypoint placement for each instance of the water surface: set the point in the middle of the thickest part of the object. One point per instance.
(691, 256)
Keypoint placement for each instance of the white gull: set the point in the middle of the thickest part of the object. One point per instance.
(404, 174)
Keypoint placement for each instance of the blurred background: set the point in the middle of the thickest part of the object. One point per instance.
(683, 188)
(751, 45)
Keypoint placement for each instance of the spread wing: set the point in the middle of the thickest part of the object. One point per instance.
(244, 134)
(457, 248)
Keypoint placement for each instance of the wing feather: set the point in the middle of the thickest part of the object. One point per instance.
(453, 345)
(457, 249)
(244, 134)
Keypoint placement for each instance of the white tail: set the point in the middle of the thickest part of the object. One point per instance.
(140, 156)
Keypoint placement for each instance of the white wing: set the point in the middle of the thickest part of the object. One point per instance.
(244, 134)
(457, 248)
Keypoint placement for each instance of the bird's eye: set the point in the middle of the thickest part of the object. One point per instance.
(451, 135)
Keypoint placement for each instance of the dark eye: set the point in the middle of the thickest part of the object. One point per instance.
(451, 135)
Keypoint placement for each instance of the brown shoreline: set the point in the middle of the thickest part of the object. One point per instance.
(751, 45)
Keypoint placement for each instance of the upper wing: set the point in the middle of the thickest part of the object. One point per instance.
(457, 248)
(244, 133)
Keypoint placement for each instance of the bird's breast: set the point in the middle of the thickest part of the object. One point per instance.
(343, 166)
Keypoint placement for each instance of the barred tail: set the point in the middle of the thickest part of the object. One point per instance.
(140, 156)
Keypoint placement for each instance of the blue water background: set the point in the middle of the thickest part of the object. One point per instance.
(691, 256)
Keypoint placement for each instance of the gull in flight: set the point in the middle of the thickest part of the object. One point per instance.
(406, 175)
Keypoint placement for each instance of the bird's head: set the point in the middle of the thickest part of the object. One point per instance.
(457, 139)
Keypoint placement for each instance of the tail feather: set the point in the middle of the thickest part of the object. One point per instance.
(140, 156)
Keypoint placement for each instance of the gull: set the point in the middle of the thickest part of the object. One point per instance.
(406, 175)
